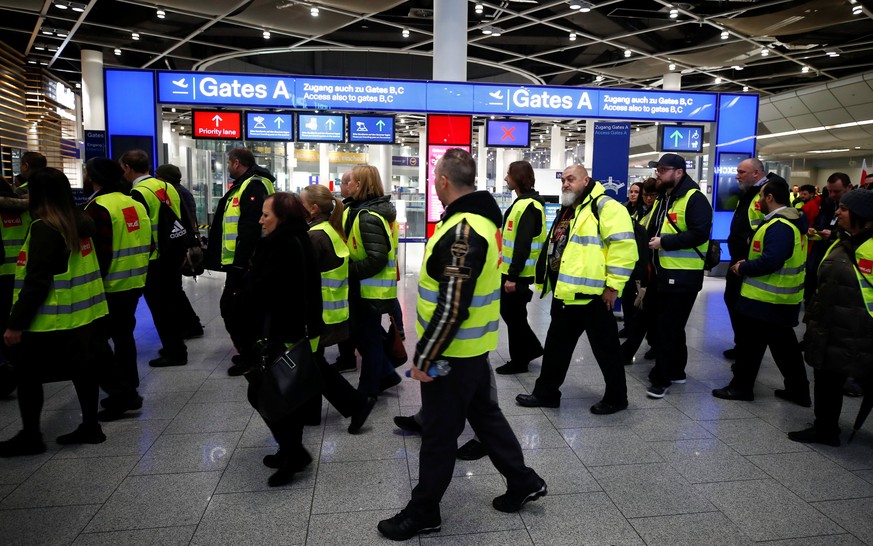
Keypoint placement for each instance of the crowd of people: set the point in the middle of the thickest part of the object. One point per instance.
(312, 266)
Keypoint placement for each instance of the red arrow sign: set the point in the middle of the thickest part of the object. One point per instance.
(220, 125)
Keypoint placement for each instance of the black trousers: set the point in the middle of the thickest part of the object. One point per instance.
(288, 432)
(337, 390)
(672, 310)
(754, 336)
(117, 369)
(568, 324)
(639, 324)
(187, 316)
(367, 334)
(7, 285)
(447, 402)
(732, 286)
(163, 284)
(524, 345)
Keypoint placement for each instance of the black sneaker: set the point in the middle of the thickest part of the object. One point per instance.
(512, 501)
(345, 365)
(83, 435)
(511, 368)
(472, 451)
(813, 436)
(239, 369)
(192, 332)
(655, 391)
(122, 403)
(730, 354)
(166, 361)
(407, 423)
(21, 444)
(403, 526)
(800, 398)
(360, 417)
(650, 354)
(275, 460)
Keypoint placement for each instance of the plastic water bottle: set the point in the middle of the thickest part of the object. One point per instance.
(438, 368)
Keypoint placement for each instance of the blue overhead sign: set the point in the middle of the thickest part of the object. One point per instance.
(321, 128)
(371, 129)
(264, 91)
(681, 138)
(268, 126)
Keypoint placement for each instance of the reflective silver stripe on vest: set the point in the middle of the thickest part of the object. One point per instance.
(475, 332)
(391, 263)
(586, 240)
(784, 290)
(619, 270)
(334, 283)
(756, 223)
(13, 242)
(791, 270)
(10, 260)
(232, 218)
(508, 244)
(154, 228)
(581, 281)
(125, 252)
(432, 296)
(679, 254)
(119, 275)
(230, 236)
(622, 235)
(335, 305)
(536, 246)
(73, 308)
(385, 283)
(870, 306)
(66, 285)
(508, 261)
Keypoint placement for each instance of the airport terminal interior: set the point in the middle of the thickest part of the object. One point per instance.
(687, 469)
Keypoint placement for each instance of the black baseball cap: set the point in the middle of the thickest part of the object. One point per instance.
(669, 160)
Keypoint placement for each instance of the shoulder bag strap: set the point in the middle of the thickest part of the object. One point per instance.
(672, 223)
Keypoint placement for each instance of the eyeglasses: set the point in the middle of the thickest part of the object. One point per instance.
(665, 169)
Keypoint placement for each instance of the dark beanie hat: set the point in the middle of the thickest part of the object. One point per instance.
(860, 202)
(169, 172)
(104, 171)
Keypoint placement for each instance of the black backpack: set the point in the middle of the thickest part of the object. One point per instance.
(174, 238)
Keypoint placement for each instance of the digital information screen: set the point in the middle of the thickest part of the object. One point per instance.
(321, 128)
(727, 189)
(681, 138)
(216, 124)
(507, 134)
(268, 126)
(371, 129)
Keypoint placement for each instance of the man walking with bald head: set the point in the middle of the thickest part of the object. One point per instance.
(590, 254)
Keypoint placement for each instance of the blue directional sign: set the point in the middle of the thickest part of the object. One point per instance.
(268, 126)
(371, 129)
(321, 128)
(681, 138)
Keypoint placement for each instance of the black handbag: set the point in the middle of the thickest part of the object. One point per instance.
(285, 379)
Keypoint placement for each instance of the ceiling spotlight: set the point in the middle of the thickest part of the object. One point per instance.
(737, 67)
(134, 36)
(78, 85)
(857, 9)
(671, 67)
(31, 61)
(267, 35)
(598, 79)
(61, 5)
(39, 46)
(674, 13)
(77, 7)
(765, 52)
(805, 69)
(486, 31)
(314, 12)
(627, 53)
(117, 51)
(60, 33)
(161, 14)
(479, 8)
(491, 30)
(48, 31)
(745, 89)
(575, 4)
(405, 33)
(572, 36)
(717, 81)
(834, 52)
(725, 35)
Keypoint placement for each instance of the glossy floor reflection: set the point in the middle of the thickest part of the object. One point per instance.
(688, 469)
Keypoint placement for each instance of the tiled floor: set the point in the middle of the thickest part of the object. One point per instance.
(688, 469)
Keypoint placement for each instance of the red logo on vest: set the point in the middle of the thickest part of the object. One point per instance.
(235, 202)
(498, 238)
(757, 205)
(162, 195)
(673, 216)
(866, 266)
(22, 258)
(131, 218)
(756, 246)
(354, 243)
(509, 226)
(86, 246)
(11, 220)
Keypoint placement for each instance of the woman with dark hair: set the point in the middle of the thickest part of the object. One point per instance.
(328, 239)
(281, 302)
(636, 320)
(524, 232)
(634, 199)
(58, 295)
(372, 241)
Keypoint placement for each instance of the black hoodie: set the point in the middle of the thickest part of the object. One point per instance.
(457, 260)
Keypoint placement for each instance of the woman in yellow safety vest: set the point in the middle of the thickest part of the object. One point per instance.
(329, 241)
(58, 294)
(371, 227)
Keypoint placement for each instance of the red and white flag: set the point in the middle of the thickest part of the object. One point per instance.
(863, 173)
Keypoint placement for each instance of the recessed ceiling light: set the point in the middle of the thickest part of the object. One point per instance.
(61, 5)
(161, 14)
(572, 36)
(77, 7)
(267, 35)
(725, 35)
(737, 67)
(627, 53)
(674, 13)
(60, 33)
(765, 52)
(314, 12)
(805, 69)
(479, 8)
(598, 79)
(745, 89)
(405, 33)
(717, 81)
(134, 36)
(857, 9)
(671, 67)
(117, 51)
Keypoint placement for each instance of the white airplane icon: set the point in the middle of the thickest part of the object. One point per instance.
(181, 83)
(496, 94)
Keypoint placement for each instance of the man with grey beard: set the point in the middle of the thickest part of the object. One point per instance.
(590, 254)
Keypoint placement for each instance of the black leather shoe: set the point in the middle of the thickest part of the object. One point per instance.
(532, 401)
(239, 369)
(730, 354)
(730, 393)
(511, 368)
(22, 444)
(122, 403)
(403, 526)
(512, 501)
(167, 361)
(472, 451)
(83, 435)
(813, 436)
(275, 460)
(342, 365)
(605, 408)
(622, 333)
(407, 423)
(192, 332)
(800, 398)
(360, 417)
(650, 354)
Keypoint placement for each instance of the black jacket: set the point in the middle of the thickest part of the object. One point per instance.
(740, 235)
(529, 225)
(327, 261)
(778, 247)
(377, 244)
(698, 218)
(249, 228)
(457, 272)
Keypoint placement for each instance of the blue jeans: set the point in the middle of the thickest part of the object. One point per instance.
(367, 332)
